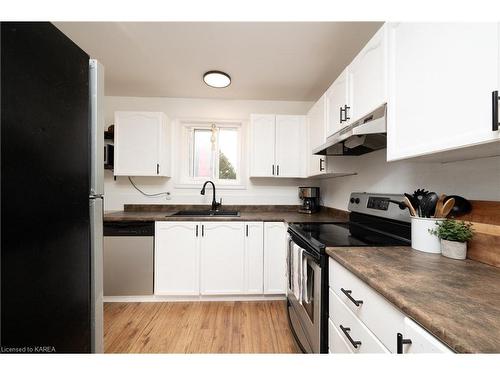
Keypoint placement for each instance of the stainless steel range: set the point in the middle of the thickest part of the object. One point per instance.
(374, 220)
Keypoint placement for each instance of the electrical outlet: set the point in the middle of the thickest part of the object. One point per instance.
(168, 196)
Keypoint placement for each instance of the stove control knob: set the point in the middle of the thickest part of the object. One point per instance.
(356, 201)
(352, 200)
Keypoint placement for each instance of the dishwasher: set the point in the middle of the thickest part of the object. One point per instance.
(128, 258)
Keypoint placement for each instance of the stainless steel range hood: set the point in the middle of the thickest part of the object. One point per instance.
(365, 135)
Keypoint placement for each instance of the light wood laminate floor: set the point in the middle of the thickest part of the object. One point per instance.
(198, 327)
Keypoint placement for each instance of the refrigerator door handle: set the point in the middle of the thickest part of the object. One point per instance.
(96, 91)
(96, 257)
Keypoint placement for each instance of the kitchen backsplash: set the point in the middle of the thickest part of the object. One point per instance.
(474, 179)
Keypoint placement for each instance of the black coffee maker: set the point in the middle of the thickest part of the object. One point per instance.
(310, 199)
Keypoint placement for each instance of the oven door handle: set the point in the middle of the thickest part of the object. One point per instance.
(314, 256)
(303, 246)
(307, 279)
(302, 243)
(289, 262)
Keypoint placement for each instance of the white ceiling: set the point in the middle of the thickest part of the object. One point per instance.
(266, 61)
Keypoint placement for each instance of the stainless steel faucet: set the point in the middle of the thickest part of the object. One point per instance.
(215, 205)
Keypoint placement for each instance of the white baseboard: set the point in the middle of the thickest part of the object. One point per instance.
(159, 298)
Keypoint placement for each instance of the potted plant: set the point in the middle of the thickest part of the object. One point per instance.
(454, 236)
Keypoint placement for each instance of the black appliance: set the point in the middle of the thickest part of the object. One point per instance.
(374, 220)
(310, 199)
(51, 193)
(109, 156)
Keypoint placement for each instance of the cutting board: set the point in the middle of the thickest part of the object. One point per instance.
(485, 246)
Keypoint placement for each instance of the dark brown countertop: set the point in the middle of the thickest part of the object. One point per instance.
(457, 301)
(286, 216)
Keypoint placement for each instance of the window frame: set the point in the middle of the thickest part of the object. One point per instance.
(186, 180)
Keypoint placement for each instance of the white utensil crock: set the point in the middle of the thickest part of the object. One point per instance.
(421, 238)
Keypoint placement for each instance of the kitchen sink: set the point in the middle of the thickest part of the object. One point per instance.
(206, 213)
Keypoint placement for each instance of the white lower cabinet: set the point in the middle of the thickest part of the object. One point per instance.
(219, 258)
(371, 320)
(176, 258)
(355, 334)
(371, 309)
(222, 252)
(421, 340)
(275, 258)
(336, 343)
(254, 257)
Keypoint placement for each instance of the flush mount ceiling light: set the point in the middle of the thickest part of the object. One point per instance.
(217, 79)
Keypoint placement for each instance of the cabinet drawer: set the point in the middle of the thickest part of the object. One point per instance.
(375, 311)
(343, 317)
(421, 340)
(336, 343)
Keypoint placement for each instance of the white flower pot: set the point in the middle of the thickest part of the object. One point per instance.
(454, 249)
(421, 238)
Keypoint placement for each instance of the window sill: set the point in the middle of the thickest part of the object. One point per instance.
(217, 186)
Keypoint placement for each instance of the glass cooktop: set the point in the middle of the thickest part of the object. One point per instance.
(343, 234)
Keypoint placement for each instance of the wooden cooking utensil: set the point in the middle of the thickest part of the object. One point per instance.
(439, 206)
(410, 207)
(447, 207)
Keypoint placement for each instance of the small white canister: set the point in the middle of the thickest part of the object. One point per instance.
(421, 237)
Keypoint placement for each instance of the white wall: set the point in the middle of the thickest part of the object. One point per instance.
(473, 179)
(257, 191)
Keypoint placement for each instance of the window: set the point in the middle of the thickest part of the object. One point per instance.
(213, 153)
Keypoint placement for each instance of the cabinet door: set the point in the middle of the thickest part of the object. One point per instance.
(222, 258)
(137, 143)
(262, 148)
(290, 146)
(176, 258)
(164, 147)
(441, 76)
(336, 98)
(421, 340)
(274, 258)
(368, 76)
(254, 257)
(316, 122)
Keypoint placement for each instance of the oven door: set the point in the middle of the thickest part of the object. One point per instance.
(304, 306)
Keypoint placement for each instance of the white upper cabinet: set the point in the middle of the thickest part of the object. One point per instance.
(278, 144)
(263, 143)
(222, 258)
(177, 258)
(290, 146)
(337, 106)
(275, 258)
(141, 144)
(316, 123)
(441, 79)
(361, 87)
(368, 77)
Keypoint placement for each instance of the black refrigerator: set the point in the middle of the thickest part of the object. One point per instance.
(51, 193)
